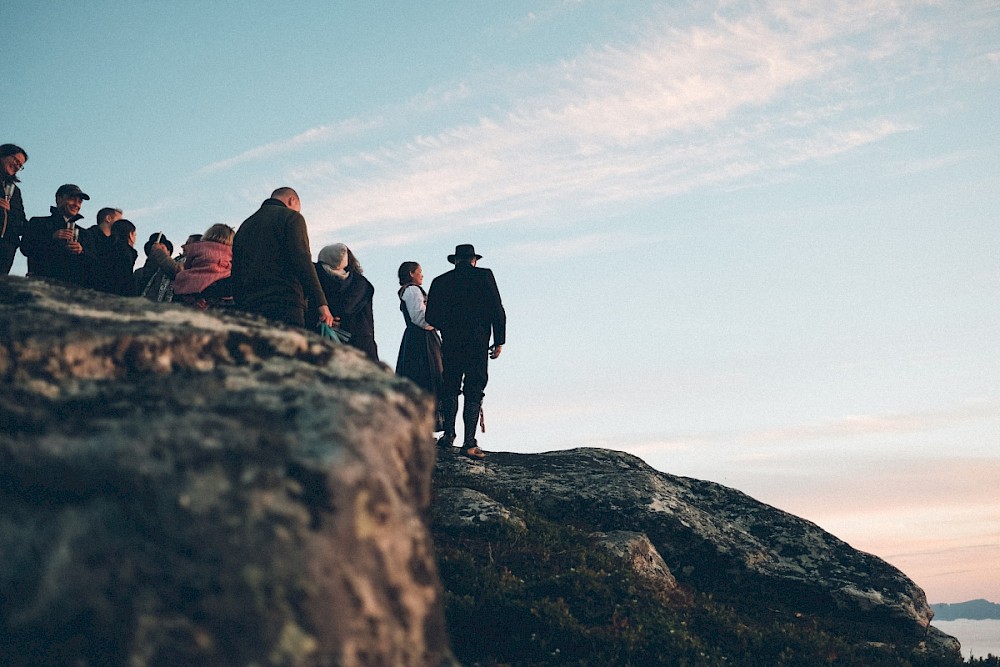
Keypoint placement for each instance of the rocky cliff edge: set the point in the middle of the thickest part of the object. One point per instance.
(180, 488)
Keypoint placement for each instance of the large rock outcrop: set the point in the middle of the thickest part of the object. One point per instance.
(713, 539)
(185, 488)
(179, 488)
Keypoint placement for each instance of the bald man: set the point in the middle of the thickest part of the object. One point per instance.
(273, 272)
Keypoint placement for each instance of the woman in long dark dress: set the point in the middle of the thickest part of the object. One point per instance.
(349, 295)
(420, 350)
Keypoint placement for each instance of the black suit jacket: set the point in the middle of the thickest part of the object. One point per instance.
(464, 305)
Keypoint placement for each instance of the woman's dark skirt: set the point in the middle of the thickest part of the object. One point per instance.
(420, 359)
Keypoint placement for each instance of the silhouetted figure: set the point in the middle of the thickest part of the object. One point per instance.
(114, 267)
(99, 244)
(464, 305)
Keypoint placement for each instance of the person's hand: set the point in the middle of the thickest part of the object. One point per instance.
(495, 351)
(74, 247)
(325, 317)
(63, 234)
(4, 203)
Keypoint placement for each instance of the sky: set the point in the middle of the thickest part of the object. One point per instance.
(754, 243)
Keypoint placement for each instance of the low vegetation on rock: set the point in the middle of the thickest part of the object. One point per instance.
(526, 586)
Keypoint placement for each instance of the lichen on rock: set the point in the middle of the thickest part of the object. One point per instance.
(185, 488)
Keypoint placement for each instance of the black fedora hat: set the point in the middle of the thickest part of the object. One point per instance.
(464, 251)
(163, 239)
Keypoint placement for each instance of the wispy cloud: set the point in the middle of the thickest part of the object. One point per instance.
(859, 426)
(726, 94)
(550, 250)
(323, 133)
(936, 162)
(848, 426)
(440, 97)
(683, 109)
(169, 203)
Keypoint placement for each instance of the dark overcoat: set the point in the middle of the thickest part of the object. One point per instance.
(48, 257)
(11, 229)
(351, 300)
(272, 263)
(111, 262)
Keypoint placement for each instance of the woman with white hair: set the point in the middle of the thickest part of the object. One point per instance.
(349, 295)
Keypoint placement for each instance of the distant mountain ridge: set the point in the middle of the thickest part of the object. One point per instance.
(974, 610)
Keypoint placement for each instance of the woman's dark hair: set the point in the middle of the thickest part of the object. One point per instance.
(353, 265)
(12, 149)
(405, 269)
(122, 228)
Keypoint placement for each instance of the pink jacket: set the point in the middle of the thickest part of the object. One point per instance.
(205, 262)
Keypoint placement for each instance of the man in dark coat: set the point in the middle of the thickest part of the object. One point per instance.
(464, 305)
(12, 159)
(273, 273)
(112, 272)
(98, 242)
(52, 244)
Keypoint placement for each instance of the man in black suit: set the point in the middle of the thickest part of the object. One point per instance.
(464, 305)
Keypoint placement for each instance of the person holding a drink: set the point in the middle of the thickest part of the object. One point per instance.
(52, 243)
(12, 218)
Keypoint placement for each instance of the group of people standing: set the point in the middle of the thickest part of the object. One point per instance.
(100, 257)
(265, 267)
(446, 343)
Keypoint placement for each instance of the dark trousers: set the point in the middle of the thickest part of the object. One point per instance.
(289, 313)
(7, 252)
(468, 360)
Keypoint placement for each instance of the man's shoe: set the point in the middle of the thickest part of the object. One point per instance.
(446, 440)
(474, 453)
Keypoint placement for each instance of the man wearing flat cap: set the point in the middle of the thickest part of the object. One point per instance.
(52, 243)
(464, 305)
